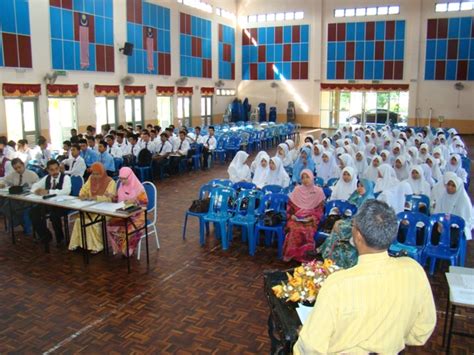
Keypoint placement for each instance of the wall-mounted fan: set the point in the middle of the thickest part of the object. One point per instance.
(127, 80)
(181, 81)
(50, 78)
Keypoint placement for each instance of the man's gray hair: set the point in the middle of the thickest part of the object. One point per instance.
(377, 222)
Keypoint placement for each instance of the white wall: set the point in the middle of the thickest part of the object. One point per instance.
(41, 49)
(438, 95)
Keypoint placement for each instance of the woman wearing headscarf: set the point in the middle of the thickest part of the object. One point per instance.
(317, 154)
(413, 156)
(455, 165)
(401, 168)
(386, 157)
(293, 152)
(360, 163)
(370, 151)
(395, 195)
(432, 162)
(454, 200)
(345, 160)
(338, 246)
(304, 161)
(438, 155)
(372, 171)
(304, 211)
(417, 182)
(276, 174)
(101, 188)
(328, 169)
(238, 170)
(131, 192)
(326, 142)
(386, 178)
(346, 184)
(283, 153)
(261, 169)
(423, 153)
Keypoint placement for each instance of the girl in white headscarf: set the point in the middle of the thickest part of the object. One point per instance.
(328, 169)
(372, 171)
(458, 146)
(370, 151)
(454, 200)
(358, 143)
(238, 170)
(346, 160)
(432, 162)
(283, 153)
(414, 156)
(417, 182)
(386, 157)
(455, 165)
(276, 174)
(360, 163)
(346, 184)
(424, 152)
(293, 153)
(395, 195)
(261, 169)
(326, 142)
(387, 178)
(317, 154)
(401, 168)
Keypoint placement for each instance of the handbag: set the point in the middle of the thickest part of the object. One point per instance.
(272, 218)
(15, 190)
(200, 206)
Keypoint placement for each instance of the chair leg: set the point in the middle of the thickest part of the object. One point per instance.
(252, 241)
(139, 249)
(202, 238)
(281, 239)
(224, 240)
(432, 265)
(184, 226)
(156, 237)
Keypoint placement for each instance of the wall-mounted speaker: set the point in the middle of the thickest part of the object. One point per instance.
(127, 48)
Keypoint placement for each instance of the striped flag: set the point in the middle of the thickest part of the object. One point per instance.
(149, 49)
(84, 41)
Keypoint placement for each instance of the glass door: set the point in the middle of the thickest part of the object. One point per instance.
(184, 111)
(22, 119)
(165, 110)
(206, 111)
(106, 111)
(62, 118)
(134, 110)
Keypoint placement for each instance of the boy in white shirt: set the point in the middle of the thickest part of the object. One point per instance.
(74, 166)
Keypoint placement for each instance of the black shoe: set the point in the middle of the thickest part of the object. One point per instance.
(59, 243)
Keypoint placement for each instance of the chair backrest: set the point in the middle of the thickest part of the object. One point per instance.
(205, 191)
(221, 182)
(244, 185)
(76, 185)
(272, 189)
(410, 223)
(418, 203)
(247, 202)
(151, 193)
(319, 181)
(447, 221)
(273, 201)
(341, 205)
(332, 181)
(220, 200)
(466, 164)
(118, 162)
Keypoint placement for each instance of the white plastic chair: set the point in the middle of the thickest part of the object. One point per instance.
(151, 209)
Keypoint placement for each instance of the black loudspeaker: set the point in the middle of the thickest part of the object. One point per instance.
(127, 48)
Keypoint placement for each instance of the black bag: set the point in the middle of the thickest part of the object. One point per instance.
(200, 206)
(15, 190)
(272, 218)
(129, 160)
(327, 225)
(144, 158)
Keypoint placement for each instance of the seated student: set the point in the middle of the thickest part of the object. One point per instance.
(180, 151)
(328, 168)
(55, 183)
(417, 182)
(42, 155)
(153, 137)
(209, 143)
(90, 156)
(74, 166)
(132, 192)
(304, 161)
(112, 148)
(20, 176)
(5, 163)
(401, 168)
(121, 143)
(386, 178)
(238, 170)
(91, 143)
(101, 188)
(277, 174)
(260, 169)
(98, 138)
(346, 184)
(106, 159)
(147, 143)
(372, 171)
(455, 165)
(132, 150)
(8, 151)
(164, 149)
(66, 151)
(24, 151)
(90, 131)
(304, 211)
(283, 153)
(104, 129)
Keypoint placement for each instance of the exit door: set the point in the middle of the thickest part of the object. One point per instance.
(62, 118)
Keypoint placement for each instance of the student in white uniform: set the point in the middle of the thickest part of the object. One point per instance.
(42, 155)
(121, 142)
(209, 145)
(112, 148)
(163, 151)
(180, 151)
(74, 166)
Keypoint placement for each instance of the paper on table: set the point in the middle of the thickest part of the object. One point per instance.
(461, 288)
(79, 203)
(63, 198)
(34, 197)
(109, 206)
(303, 312)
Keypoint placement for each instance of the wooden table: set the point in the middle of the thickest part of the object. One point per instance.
(85, 208)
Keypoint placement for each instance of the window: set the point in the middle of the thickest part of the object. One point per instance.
(261, 18)
(22, 119)
(197, 4)
(270, 17)
(280, 16)
(134, 110)
(289, 16)
(454, 6)
(360, 11)
(339, 13)
(299, 15)
(184, 111)
(350, 12)
(368, 11)
(225, 92)
(106, 111)
(394, 10)
(371, 11)
(382, 10)
(206, 111)
(62, 118)
(252, 18)
(165, 110)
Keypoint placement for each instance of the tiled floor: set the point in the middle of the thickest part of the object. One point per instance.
(192, 300)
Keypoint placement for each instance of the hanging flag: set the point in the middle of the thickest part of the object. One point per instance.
(149, 49)
(84, 40)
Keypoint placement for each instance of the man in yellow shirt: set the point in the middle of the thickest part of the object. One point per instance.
(380, 305)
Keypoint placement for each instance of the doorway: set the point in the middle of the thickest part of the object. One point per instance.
(206, 111)
(62, 118)
(22, 119)
(106, 111)
(164, 105)
(134, 110)
(184, 111)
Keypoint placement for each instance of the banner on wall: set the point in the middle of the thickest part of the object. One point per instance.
(84, 41)
(21, 90)
(149, 49)
(106, 90)
(62, 90)
(185, 91)
(364, 87)
(165, 90)
(134, 90)
(207, 91)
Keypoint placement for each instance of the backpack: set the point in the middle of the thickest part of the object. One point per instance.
(144, 158)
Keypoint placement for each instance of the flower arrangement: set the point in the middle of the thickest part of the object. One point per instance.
(307, 279)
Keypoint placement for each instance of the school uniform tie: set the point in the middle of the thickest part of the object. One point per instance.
(73, 162)
(162, 145)
(21, 180)
(180, 145)
(54, 184)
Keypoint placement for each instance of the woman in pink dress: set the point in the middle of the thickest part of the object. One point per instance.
(304, 211)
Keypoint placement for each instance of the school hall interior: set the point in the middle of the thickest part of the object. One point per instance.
(156, 158)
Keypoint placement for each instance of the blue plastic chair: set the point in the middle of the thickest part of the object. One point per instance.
(276, 202)
(151, 208)
(143, 173)
(415, 203)
(332, 181)
(218, 214)
(319, 181)
(272, 189)
(204, 192)
(342, 205)
(196, 158)
(244, 185)
(409, 225)
(76, 185)
(245, 218)
(443, 250)
(118, 162)
(221, 182)
(219, 152)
